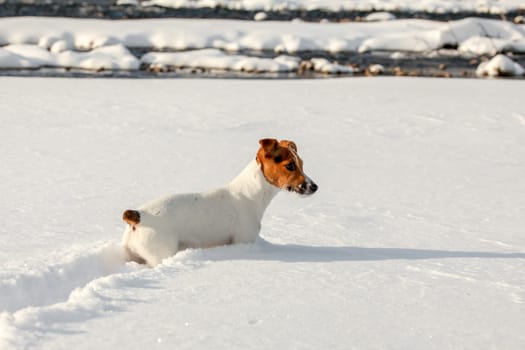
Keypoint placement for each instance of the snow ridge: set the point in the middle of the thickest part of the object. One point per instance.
(35, 301)
(96, 283)
(55, 282)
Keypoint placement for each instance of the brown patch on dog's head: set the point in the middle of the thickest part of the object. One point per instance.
(282, 167)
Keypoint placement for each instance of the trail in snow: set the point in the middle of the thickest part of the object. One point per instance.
(46, 301)
(43, 301)
(54, 283)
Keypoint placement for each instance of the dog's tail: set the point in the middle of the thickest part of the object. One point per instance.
(132, 217)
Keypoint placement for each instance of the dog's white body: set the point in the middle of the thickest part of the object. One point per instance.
(230, 214)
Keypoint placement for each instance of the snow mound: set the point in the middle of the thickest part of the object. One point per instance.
(380, 16)
(500, 65)
(260, 16)
(324, 66)
(9, 59)
(113, 57)
(210, 59)
(464, 33)
(376, 69)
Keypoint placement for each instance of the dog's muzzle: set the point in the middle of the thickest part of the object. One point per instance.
(307, 188)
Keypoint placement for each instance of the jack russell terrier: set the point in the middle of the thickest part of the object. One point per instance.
(227, 215)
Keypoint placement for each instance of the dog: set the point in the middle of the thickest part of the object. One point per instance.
(228, 215)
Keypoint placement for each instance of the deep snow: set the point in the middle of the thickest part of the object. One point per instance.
(414, 240)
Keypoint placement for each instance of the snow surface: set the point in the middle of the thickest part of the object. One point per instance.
(438, 6)
(217, 59)
(500, 65)
(413, 241)
(33, 42)
(380, 16)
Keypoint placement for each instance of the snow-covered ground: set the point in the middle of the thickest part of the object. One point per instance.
(415, 239)
(36, 42)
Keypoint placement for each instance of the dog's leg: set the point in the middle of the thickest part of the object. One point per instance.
(131, 256)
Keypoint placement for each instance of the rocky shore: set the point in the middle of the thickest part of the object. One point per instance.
(134, 10)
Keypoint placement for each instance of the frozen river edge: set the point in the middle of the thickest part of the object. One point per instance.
(49, 46)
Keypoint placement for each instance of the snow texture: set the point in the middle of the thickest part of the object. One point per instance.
(500, 65)
(380, 16)
(218, 60)
(413, 241)
(31, 42)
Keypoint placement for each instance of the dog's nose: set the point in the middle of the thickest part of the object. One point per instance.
(308, 187)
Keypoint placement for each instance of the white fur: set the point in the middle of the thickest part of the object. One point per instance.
(230, 214)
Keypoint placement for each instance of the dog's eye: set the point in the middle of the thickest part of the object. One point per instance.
(290, 166)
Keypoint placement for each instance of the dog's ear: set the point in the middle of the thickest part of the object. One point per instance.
(269, 146)
(288, 144)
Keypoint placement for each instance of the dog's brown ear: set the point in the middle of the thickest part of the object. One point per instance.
(269, 146)
(288, 144)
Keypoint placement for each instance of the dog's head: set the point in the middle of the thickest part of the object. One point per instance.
(282, 166)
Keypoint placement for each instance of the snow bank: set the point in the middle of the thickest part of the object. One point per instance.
(10, 59)
(500, 65)
(113, 57)
(463, 33)
(213, 59)
(58, 34)
(440, 6)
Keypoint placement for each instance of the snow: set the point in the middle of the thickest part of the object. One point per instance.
(218, 60)
(478, 45)
(437, 6)
(104, 44)
(113, 57)
(260, 16)
(380, 16)
(414, 239)
(376, 69)
(324, 66)
(500, 65)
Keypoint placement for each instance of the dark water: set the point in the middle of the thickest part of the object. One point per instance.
(108, 10)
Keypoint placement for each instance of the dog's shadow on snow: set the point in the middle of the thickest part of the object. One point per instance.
(265, 250)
